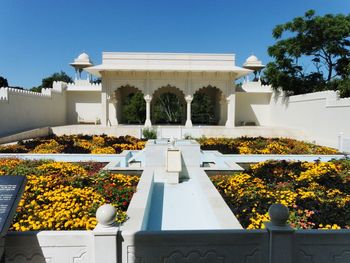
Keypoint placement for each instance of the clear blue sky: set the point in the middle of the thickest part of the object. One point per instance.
(40, 37)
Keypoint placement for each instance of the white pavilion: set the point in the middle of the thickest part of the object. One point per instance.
(183, 74)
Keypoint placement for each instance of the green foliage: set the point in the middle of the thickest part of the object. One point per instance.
(48, 81)
(149, 134)
(314, 57)
(202, 109)
(3, 82)
(97, 81)
(134, 108)
(167, 109)
(27, 167)
(36, 89)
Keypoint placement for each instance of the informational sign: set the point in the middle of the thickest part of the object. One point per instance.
(11, 190)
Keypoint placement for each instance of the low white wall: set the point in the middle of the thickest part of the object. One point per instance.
(49, 246)
(180, 132)
(91, 129)
(35, 133)
(21, 110)
(83, 105)
(321, 115)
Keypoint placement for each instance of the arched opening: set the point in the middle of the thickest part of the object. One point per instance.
(131, 105)
(205, 107)
(168, 106)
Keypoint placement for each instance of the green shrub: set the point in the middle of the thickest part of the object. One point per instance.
(149, 133)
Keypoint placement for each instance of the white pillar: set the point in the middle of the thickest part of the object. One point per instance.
(148, 99)
(231, 100)
(113, 110)
(188, 99)
(223, 111)
(106, 235)
(76, 75)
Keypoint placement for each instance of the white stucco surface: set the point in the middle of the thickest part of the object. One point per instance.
(321, 115)
(139, 61)
(83, 106)
(21, 110)
(253, 107)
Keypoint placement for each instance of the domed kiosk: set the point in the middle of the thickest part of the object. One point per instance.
(81, 62)
(253, 63)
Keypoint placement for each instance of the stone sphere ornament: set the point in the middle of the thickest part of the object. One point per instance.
(106, 215)
(279, 214)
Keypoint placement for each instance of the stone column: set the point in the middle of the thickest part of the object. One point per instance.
(188, 99)
(231, 108)
(113, 111)
(148, 99)
(223, 111)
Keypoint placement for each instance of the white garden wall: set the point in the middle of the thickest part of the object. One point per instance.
(321, 115)
(21, 110)
(253, 107)
(83, 106)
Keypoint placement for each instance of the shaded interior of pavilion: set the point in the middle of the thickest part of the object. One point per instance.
(170, 106)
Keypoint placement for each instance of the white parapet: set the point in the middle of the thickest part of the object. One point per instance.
(255, 87)
(84, 85)
(24, 92)
(59, 86)
(4, 93)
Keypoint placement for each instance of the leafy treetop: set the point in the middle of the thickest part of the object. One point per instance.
(313, 56)
(3, 82)
(48, 81)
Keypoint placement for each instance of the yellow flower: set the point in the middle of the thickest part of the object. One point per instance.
(103, 150)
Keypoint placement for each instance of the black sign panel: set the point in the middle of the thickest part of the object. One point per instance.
(11, 190)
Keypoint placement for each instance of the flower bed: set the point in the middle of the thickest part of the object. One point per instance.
(111, 145)
(260, 145)
(65, 196)
(317, 194)
(76, 144)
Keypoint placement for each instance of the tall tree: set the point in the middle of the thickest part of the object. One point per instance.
(48, 81)
(313, 56)
(167, 109)
(134, 108)
(202, 109)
